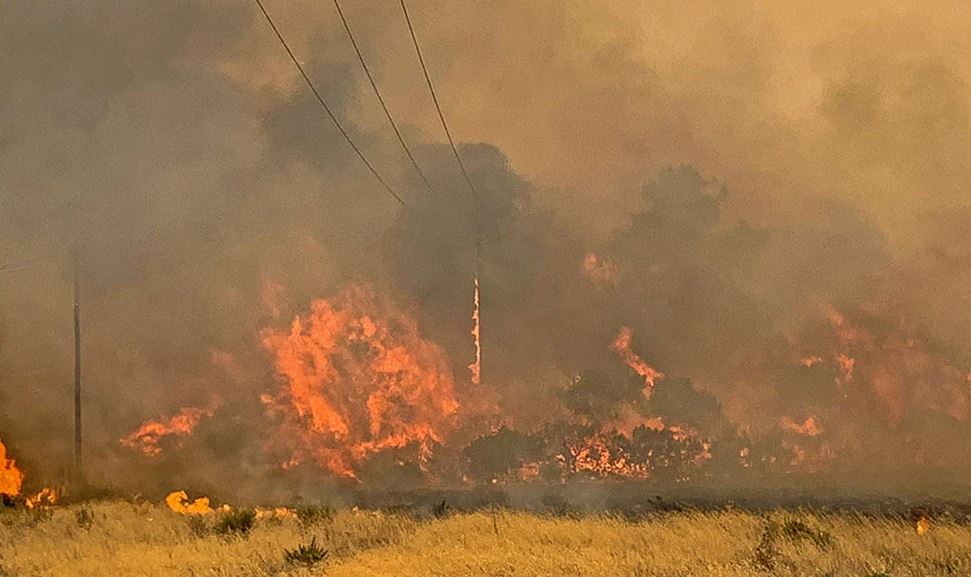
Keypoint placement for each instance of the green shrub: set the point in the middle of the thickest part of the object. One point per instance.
(310, 515)
(238, 522)
(306, 555)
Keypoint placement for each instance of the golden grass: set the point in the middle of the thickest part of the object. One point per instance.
(145, 540)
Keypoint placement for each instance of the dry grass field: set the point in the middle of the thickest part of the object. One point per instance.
(120, 539)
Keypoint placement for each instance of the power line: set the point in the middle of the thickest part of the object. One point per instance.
(476, 200)
(438, 106)
(29, 262)
(377, 93)
(326, 108)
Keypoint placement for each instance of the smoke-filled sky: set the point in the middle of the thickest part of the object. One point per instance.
(751, 185)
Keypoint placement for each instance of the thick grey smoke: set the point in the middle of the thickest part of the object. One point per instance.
(744, 174)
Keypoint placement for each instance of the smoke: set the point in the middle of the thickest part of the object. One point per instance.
(740, 176)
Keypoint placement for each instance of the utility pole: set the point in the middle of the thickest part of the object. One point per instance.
(77, 356)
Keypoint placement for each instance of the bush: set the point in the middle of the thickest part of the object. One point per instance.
(795, 530)
(238, 522)
(84, 517)
(310, 515)
(198, 525)
(306, 555)
(441, 509)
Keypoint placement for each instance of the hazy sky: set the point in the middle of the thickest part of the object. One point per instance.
(204, 173)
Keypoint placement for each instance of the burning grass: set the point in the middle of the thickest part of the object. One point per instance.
(120, 538)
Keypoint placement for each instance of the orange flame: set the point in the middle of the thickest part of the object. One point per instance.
(11, 478)
(923, 525)
(179, 502)
(811, 361)
(276, 513)
(651, 375)
(809, 428)
(148, 437)
(358, 378)
(476, 367)
(47, 497)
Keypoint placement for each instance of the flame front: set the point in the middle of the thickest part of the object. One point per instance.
(358, 379)
(11, 478)
(476, 367)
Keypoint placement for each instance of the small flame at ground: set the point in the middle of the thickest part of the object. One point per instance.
(276, 513)
(923, 525)
(11, 478)
(47, 497)
(179, 502)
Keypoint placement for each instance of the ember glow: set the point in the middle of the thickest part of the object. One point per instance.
(356, 378)
(11, 478)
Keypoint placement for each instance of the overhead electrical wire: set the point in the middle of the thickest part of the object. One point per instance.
(438, 106)
(326, 108)
(29, 262)
(377, 92)
(476, 366)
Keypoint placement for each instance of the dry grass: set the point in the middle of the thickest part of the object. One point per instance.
(121, 539)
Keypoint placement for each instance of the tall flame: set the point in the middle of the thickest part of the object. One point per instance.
(476, 367)
(650, 375)
(11, 478)
(358, 379)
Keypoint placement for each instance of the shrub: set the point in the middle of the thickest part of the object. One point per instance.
(198, 525)
(84, 517)
(309, 515)
(306, 555)
(796, 530)
(441, 509)
(238, 522)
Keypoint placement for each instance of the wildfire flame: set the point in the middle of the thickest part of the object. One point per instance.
(47, 497)
(357, 379)
(809, 428)
(923, 525)
(11, 478)
(811, 361)
(148, 437)
(476, 367)
(651, 375)
(276, 513)
(179, 502)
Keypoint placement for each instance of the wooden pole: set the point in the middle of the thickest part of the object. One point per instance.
(77, 358)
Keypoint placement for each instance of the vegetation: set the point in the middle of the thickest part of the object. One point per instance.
(307, 555)
(139, 539)
(237, 522)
